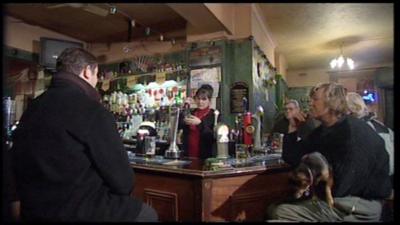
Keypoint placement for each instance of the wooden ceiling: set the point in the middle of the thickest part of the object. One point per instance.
(92, 23)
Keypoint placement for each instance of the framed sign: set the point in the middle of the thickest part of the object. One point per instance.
(239, 90)
(205, 56)
(211, 76)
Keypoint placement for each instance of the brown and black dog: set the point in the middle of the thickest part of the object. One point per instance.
(313, 177)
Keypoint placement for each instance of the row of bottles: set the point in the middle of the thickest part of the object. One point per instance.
(130, 110)
(126, 69)
(150, 96)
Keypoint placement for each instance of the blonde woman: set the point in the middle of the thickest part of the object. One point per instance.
(359, 109)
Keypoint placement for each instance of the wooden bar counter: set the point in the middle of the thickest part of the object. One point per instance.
(191, 192)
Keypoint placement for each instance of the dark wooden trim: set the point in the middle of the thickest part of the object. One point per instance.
(20, 54)
(206, 199)
(153, 196)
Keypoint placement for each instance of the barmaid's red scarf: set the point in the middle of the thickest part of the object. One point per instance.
(194, 133)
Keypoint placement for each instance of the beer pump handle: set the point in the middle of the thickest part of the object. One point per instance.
(245, 105)
(216, 114)
(260, 112)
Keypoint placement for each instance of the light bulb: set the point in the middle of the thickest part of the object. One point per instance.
(333, 63)
(340, 61)
(350, 63)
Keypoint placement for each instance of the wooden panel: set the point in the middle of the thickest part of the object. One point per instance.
(236, 198)
(180, 193)
(198, 200)
(177, 197)
(206, 199)
(248, 207)
(165, 203)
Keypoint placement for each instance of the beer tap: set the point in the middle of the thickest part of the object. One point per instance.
(258, 117)
(216, 114)
(173, 150)
(221, 131)
(248, 128)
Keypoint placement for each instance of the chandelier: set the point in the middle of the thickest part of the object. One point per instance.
(338, 62)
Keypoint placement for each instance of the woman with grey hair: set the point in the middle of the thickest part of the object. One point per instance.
(356, 105)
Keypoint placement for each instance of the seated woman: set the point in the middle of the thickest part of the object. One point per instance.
(359, 109)
(198, 127)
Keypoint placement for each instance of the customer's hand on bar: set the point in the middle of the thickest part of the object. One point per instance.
(192, 120)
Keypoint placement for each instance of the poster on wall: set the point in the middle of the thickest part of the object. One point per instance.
(239, 91)
(211, 76)
(205, 56)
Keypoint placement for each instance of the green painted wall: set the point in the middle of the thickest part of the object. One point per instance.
(263, 94)
(240, 64)
(301, 94)
(237, 67)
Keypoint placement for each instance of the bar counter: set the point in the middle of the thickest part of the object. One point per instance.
(191, 192)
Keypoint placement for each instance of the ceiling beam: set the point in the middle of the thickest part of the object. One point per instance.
(121, 37)
(199, 17)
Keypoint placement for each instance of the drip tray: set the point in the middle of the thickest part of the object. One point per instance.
(176, 163)
(158, 160)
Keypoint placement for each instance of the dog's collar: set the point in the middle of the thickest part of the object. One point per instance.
(311, 176)
(310, 187)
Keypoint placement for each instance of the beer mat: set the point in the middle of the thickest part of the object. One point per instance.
(176, 163)
(255, 160)
(274, 156)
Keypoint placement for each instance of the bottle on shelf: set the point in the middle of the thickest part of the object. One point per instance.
(186, 109)
(178, 98)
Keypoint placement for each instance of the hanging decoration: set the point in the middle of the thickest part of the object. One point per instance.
(113, 10)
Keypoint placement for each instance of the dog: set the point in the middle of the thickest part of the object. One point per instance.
(313, 178)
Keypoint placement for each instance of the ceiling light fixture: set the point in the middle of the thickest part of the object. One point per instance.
(338, 62)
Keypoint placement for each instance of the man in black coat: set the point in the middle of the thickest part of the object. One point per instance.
(356, 153)
(70, 163)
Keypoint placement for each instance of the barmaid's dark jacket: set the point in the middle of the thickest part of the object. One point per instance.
(356, 153)
(207, 140)
(70, 162)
